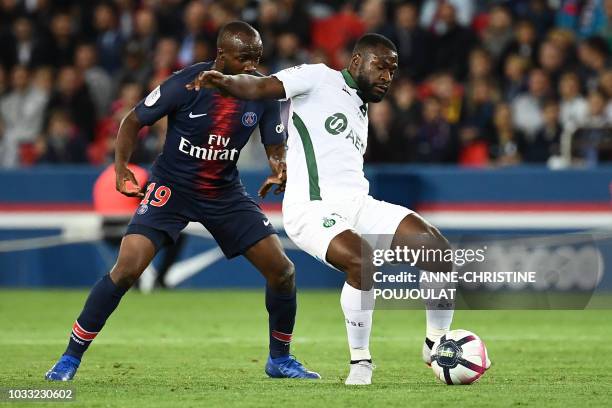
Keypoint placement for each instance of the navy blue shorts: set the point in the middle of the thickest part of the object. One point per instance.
(234, 219)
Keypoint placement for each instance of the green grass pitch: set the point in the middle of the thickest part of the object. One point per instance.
(205, 348)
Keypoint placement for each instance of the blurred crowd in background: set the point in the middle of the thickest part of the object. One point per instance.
(480, 83)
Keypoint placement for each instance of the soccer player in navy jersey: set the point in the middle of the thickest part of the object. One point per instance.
(195, 179)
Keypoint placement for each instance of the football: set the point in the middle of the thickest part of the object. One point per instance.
(459, 357)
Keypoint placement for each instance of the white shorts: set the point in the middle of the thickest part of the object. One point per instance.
(312, 225)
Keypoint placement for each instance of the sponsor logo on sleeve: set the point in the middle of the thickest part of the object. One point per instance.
(153, 97)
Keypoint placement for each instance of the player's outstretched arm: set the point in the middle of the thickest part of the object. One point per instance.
(278, 165)
(127, 137)
(241, 86)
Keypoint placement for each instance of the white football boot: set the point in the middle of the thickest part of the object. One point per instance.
(360, 374)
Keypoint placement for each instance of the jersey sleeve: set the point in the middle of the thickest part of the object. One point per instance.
(164, 99)
(272, 127)
(301, 79)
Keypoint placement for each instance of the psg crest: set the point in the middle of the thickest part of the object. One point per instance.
(249, 119)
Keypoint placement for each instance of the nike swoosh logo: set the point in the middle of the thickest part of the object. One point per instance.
(192, 116)
(266, 222)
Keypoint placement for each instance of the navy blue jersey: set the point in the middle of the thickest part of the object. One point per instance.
(206, 132)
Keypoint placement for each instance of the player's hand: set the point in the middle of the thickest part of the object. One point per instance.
(279, 179)
(205, 79)
(123, 178)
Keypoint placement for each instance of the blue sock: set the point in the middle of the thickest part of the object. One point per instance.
(281, 311)
(102, 301)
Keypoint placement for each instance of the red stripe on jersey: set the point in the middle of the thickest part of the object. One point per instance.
(82, 333)
(225, 118)
(280, 336)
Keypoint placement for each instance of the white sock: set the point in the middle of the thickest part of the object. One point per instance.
(439, 314)
(438, 323)
(358, 308)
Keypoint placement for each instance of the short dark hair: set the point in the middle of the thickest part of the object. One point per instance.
(373, 40)
(233, 28)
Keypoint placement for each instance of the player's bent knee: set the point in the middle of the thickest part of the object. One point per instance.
(125, 274)
(135, 254)
(283, 280)
(349, 253)
(439, 242)
(436, 234)
(358, 273)
(416, 231)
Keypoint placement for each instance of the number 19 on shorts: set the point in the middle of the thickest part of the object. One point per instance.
(161, 195)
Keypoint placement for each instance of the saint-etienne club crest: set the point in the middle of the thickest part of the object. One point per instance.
(328, 222)
(249, 119)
